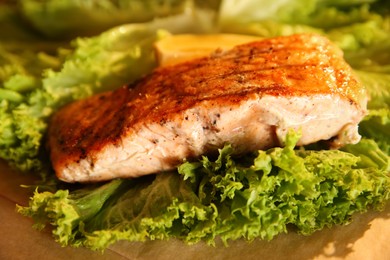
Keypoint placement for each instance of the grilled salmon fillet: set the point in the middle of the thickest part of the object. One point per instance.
(249, 96)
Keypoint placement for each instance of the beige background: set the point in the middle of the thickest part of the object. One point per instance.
(366, 238)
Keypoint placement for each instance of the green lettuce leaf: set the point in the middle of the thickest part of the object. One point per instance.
(378, 88)
(356, 26)
(322, 14)
(226, 198)
(61, 19)
(58, 19)
(376, 125)
(23, 105)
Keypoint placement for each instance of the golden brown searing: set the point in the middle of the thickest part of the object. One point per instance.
(248, 96)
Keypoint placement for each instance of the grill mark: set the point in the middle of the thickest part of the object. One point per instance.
(238, 77)
(276, 52)
(200, 79)
(241, 72)
(204, 63)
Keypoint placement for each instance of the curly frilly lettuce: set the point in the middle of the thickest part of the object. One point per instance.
(227, 198)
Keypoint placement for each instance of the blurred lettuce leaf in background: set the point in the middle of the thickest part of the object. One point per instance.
(72, 18)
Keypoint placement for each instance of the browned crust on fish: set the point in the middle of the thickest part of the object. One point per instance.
(283, 66)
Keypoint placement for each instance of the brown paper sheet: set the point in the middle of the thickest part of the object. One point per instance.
(367, 237)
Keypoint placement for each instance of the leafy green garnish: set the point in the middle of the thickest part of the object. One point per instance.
(225, 197)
